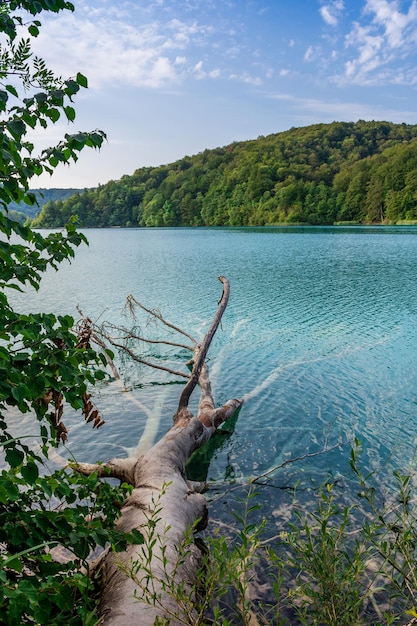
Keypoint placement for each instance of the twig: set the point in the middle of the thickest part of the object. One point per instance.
(143, 362)
(293, 460)
(200, 352)
(128, 334)
(130, 300)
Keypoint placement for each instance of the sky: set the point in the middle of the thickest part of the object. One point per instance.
(170, 78)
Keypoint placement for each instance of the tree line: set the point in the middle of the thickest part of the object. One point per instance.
(363, 172)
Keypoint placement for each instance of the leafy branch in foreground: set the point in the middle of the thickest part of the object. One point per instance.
(39, 514)
(44, 363)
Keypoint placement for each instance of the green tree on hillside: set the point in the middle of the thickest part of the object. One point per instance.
(319, 174)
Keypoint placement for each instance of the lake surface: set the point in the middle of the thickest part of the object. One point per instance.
(320, 336)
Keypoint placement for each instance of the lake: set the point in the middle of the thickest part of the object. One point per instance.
(319, 336)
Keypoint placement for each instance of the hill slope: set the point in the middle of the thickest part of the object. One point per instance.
(22, 211)
(320, 174)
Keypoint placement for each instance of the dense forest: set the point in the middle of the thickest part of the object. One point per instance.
(362, 172)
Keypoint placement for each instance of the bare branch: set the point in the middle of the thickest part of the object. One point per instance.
(143, 362)
(308, 455)
(161, 493)
(128, 334)
(206, 399)
(130, 301)
(123, 469)
(200, 352)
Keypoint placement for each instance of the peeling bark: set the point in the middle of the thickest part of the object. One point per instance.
(155, 579)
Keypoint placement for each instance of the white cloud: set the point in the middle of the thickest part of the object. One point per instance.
(312, 110)
(331, 12)
(369, 47)
(380, 43)
(109, 49)
(312, 53)
(199, 73)
(247, 78)
(397, 26)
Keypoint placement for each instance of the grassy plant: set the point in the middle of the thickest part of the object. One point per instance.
(392, 533)
(329, 562)
(230, 568)
(348, 564)
(156, 572)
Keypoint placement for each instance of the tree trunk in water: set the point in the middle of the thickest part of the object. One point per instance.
(155, 580)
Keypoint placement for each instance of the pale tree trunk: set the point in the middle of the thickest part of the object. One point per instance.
(154, 581)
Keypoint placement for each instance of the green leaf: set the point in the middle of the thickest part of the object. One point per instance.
(53, 114)
(30, 472)
(135, 537)
(20, 393)
(12, 90)
(14, 457)
(70, 113)
(15, 564)
(82, 80)
(3, 99)
(71, 87)
(17, 128)
(4, 495)
(34, 30)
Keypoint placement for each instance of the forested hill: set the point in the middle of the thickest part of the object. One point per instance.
(22, 211)
(322, 174)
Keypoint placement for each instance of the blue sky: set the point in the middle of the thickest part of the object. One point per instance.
(169, 78)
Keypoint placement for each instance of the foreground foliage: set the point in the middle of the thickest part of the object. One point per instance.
(44, 363)
(347, 563)
(362, 172)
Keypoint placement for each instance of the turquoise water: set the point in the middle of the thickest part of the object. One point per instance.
(319, 337)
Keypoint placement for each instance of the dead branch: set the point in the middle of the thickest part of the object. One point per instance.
(134, 357)
(307, 455)
(123, 469)
(200, 352)
(98, 341)
(129, 334)
(131, 301)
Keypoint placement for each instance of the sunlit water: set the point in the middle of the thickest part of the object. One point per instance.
(319, 337)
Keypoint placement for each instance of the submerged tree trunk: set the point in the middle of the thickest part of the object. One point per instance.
(155, 580)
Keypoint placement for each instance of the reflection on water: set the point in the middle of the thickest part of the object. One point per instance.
(320, 332)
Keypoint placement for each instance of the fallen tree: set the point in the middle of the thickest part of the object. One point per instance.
(154, 581)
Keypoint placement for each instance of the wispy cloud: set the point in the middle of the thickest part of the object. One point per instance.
(312, 53)
(313, 110)
(201, 73)
(382, 42)
(160, 44)
(399, 28)
(246, 77)
(331, 11)
(112, 50)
